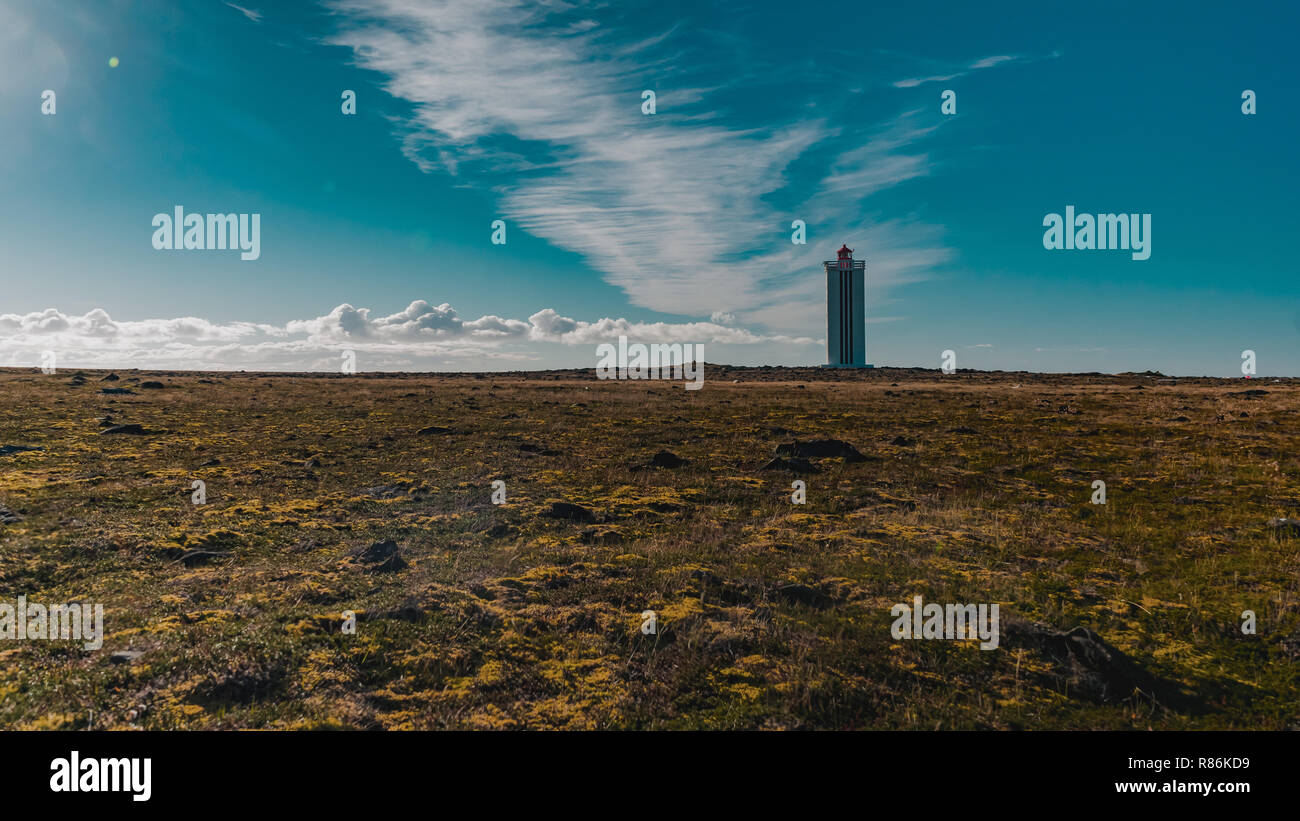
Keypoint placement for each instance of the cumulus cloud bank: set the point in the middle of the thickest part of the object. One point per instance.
(421, 336)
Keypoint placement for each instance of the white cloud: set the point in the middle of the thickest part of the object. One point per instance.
(672, 208)
(421, 336)
(251, 14)
(983, 62)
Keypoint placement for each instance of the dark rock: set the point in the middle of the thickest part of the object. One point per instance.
(8, 517)
(384, 557)
(571, 512)
(1285, 527)
(112, 377)
(794, 464)
(803, 594)
(533, 447)
(667, 459)
(821, 448)
(194, 558)
(432, 430)
(125, 656)
(965, 431)
(5, 450)
(152, 385)
(1250, 394)
(116, 390)
(902, 441)
(1083, 664)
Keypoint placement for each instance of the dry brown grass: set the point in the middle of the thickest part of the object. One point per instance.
(771, 615)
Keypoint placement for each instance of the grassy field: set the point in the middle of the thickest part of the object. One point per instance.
(974, 488)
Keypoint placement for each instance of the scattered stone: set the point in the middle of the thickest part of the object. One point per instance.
(5, 450)
(1180, 419)
(116, 390)
(571, 512)
(794, 464)
(210, 463)
(112, 377)
(803, 594)
(965, 431)
(532, 447)
(432, 430)
(1285, 527)
(8, 517)
(1083, 664)
(384, 557)
(194, 558)
(125, 657)
(821, 448)
(152, 385)
(667, 459)
(902, 441)
(1250, 394)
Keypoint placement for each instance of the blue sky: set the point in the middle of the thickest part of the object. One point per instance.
(376, 228)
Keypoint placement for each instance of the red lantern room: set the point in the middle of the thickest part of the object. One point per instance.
(845, 256)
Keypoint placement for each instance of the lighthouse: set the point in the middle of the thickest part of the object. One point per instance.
(846, 336)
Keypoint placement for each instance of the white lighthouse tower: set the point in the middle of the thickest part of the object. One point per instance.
(846, 335)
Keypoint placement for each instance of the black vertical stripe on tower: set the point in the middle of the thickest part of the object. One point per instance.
(847, 337)
(843, 330)
(849, 306)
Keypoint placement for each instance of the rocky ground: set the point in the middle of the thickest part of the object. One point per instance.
(373, 494)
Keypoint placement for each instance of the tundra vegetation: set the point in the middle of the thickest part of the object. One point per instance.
(373, 494)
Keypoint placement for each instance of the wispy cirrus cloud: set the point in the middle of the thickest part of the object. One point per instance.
(958, 72)
(251, 14)
(420, 335)
(542, 106)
